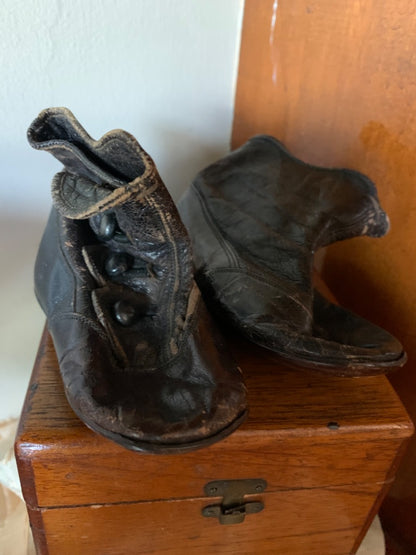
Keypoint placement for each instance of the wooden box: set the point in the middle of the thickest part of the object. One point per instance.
(328, 449)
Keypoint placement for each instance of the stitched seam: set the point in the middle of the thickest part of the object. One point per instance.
(173, 251)
(268, 279)
(228, 249)
(106, 323)
(64, 255)
(179, 338)
(80, 318)
(89, 323)
(211, 274)
(227, 242)
(186, 333)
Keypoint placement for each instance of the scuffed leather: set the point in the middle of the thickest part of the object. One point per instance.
(255, 218)
(165, 382)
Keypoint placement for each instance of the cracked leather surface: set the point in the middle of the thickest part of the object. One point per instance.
(140, 358)
(255, 218)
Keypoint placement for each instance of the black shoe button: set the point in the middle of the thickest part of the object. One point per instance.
(124, 313)
(117, 263)
(107, 226)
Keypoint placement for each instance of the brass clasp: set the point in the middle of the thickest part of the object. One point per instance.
(234, 508)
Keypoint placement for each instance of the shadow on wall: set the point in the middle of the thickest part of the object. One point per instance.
(22, 321)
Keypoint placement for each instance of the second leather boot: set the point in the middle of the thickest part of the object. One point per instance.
(140, 358)
(256, 217)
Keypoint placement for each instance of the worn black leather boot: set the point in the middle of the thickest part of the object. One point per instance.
(140, 359)
(256, 218)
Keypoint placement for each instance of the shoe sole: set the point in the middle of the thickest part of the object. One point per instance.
(162, 448)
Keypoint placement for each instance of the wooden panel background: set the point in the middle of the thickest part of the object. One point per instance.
(336, 82)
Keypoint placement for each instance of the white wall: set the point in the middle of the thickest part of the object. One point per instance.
(162, 69)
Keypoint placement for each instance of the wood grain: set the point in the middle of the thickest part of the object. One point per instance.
(65, 468)
(289, 524)
(335, 81)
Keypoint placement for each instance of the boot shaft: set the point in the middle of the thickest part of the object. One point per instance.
(268, 202)
(116, 223)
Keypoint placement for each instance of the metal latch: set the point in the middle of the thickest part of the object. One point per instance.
(233, 508)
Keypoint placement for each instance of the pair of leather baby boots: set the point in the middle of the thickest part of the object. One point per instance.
(141, 360)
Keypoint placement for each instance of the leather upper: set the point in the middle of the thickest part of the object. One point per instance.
(138, 352)
(256, 217)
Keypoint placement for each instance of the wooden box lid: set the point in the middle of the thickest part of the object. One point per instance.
(289, 439)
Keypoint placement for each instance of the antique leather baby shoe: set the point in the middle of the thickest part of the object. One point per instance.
(140, 359)
(256, 218)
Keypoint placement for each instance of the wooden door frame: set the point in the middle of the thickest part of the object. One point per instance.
(335, 81)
